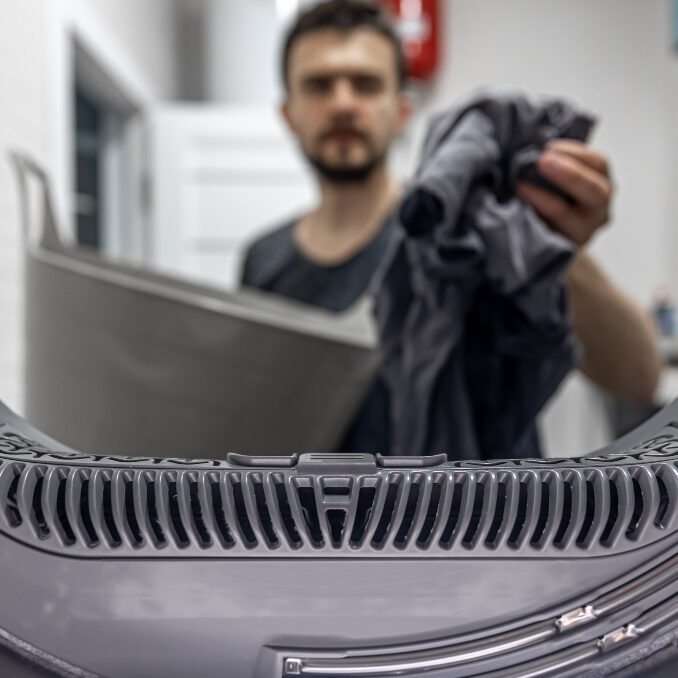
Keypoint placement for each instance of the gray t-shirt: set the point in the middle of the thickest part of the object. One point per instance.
(275, 264)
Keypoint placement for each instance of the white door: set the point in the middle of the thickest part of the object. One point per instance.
(221, 175)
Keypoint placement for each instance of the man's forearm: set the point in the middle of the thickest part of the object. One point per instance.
(619, 351)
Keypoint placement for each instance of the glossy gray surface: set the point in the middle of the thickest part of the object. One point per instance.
(178, 617)
(153, 362)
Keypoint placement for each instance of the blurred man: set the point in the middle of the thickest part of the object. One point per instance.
(343, 72)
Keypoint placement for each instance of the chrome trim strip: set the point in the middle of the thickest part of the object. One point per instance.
(407, 663)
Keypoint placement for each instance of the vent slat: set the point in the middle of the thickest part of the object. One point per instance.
(354, 488)
(417, 498)
(119, 480)
(131, 515)
(377, 509)
(534, 506)
(236, 510)
(429, 515)
(422, 509)
(140, 496)
(512, 484)
(251, 514)
(183, 495)
(476, 512)
(393, 489)
(336, 523)
(93, 538)
(306, 496)
(25, 499)
(177, 524)
(225, 529)
(228, 505)
(259, 510)
(190, 530)
(669, 474)
(650, 500)
(349, 510)
(160, 532)
(198, 511)
(95, 500)
(297, 513)
(555, 511)
(363, 511)
(399, 509)
(489, 506)
(577, 483)
(9, 475)
(54, 505)
(468, 496)
(221, 532)
(271, 499)
(600, 498)
(447, 492)
(50, 488)
(624, 485)
(520, 528)
(498, 515)
(450, 518)
(74, 484)
(323, 518)
(290, 526)
(162, 507)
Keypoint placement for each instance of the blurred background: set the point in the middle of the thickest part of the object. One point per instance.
(157, 123)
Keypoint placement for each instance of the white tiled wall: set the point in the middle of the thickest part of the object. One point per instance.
(22, 111)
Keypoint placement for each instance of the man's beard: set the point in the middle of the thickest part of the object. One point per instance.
(346, 174)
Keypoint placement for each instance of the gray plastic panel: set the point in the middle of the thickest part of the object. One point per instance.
(100, 552)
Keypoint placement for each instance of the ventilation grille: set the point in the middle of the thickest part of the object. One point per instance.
(424, 512)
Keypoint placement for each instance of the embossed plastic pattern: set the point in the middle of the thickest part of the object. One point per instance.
(307, 505)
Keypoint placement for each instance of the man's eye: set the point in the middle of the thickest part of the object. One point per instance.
(317, 85)
(367, 84)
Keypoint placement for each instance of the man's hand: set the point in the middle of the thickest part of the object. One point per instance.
(582, 173)
(619, 351)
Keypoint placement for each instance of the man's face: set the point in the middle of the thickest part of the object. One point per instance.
(344, 104)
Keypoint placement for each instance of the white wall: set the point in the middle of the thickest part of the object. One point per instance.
(242, 40)
(242, 49)
(135, 36)
(133, 39)
(22, 56)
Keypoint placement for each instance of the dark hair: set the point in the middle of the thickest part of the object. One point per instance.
(344, 15)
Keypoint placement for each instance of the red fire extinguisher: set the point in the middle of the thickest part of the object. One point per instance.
(417, 24)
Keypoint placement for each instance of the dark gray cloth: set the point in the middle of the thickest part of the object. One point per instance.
(471, 306)
(274, 263)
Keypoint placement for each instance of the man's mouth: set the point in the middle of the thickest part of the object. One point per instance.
(343, 136)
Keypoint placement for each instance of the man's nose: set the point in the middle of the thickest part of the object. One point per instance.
(343, 95)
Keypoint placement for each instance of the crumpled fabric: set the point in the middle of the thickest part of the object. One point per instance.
(471, 304)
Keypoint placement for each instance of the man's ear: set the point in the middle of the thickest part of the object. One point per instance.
(285, 112)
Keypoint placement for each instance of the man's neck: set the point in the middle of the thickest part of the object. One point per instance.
(348, 216)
